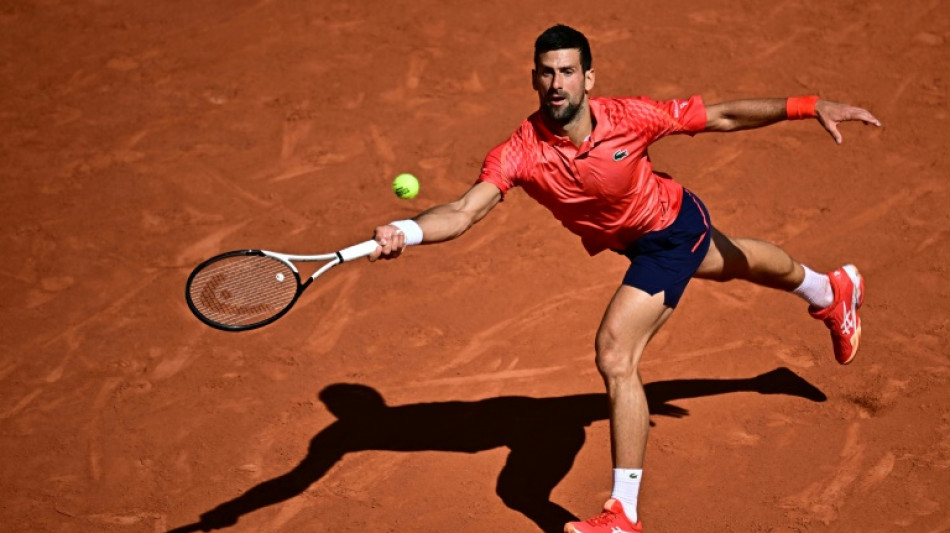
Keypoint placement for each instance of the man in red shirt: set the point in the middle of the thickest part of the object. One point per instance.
(586, 160)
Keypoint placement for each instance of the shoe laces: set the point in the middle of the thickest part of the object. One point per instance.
(603, 519)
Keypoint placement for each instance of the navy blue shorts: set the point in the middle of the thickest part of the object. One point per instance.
(665, 260)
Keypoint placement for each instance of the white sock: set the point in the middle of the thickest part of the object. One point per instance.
(627, 489)
(816, 289)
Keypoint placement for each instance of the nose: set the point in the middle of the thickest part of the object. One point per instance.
(558, 81)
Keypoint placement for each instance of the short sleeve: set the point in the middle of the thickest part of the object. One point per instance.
(498, 168)
(657, 119)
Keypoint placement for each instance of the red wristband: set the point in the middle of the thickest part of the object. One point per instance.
(800, 107)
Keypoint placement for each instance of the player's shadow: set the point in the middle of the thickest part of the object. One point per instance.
(543, 434)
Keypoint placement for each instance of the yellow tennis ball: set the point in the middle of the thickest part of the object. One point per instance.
(406, 186)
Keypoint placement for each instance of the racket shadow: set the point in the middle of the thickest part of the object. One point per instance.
(543, 435)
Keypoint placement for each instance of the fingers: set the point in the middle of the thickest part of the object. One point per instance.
(856, 113)
(830, 114)
(835, 134)
(833, 111)
(866, 117)
(391, 241)
(831, 126)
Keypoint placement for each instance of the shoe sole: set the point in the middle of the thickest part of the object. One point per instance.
(858, 281)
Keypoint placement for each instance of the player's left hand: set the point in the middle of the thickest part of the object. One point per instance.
(830, 114)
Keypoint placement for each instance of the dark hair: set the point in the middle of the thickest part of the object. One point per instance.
(560, 37)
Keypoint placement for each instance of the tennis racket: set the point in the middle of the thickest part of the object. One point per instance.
(247, 289)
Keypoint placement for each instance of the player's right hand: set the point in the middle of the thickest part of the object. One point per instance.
(391, 241)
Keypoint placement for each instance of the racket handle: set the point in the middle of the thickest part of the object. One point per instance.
(357, 251)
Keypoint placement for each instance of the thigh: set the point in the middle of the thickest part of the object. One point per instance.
(632, 318)
(665, 260)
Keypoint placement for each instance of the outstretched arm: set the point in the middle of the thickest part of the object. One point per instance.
(747, 114)
(440, 223)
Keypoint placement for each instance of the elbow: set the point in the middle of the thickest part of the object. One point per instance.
(723, 123)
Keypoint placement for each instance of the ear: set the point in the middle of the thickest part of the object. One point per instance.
(589, 80)
(534, 79)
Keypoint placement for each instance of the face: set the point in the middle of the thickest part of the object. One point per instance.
(561, 83)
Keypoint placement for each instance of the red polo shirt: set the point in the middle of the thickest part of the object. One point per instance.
(606, 191)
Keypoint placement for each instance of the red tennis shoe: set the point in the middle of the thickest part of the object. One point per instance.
(841, 316)
(612, 520)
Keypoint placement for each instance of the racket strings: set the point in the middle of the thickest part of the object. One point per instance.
(243, 290)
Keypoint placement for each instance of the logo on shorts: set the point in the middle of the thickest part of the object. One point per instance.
(620, 154)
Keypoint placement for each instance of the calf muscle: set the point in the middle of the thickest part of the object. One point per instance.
(759, 262)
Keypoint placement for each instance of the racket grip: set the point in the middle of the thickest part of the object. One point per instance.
(357, 251)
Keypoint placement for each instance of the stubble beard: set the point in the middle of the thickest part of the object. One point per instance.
(564, 115)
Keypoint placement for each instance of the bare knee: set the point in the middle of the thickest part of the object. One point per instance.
(631, 320)
(614, 360)
(734, 259)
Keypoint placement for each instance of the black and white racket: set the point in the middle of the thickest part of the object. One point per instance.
(247, 289)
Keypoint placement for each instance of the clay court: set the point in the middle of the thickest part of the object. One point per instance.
(139, 138)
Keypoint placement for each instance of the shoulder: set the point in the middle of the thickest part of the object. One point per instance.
(621, 102)
(624, 113)
(531, 130)
(625, 105)
(643, 111)
(506, 162)
(527, 137)
(622, 108)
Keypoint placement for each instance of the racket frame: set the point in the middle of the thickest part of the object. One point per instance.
(333, 259)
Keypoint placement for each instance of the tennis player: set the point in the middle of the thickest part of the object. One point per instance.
(586, 160)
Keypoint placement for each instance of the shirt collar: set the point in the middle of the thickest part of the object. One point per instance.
(601, 120)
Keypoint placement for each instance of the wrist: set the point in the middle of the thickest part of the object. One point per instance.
(800, 107)
(409, 228)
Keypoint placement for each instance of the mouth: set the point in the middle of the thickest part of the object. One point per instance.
(557, 99)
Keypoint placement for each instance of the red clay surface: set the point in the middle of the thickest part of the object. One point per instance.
(139, 138)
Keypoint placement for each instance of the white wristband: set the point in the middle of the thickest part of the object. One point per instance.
(410, 229)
